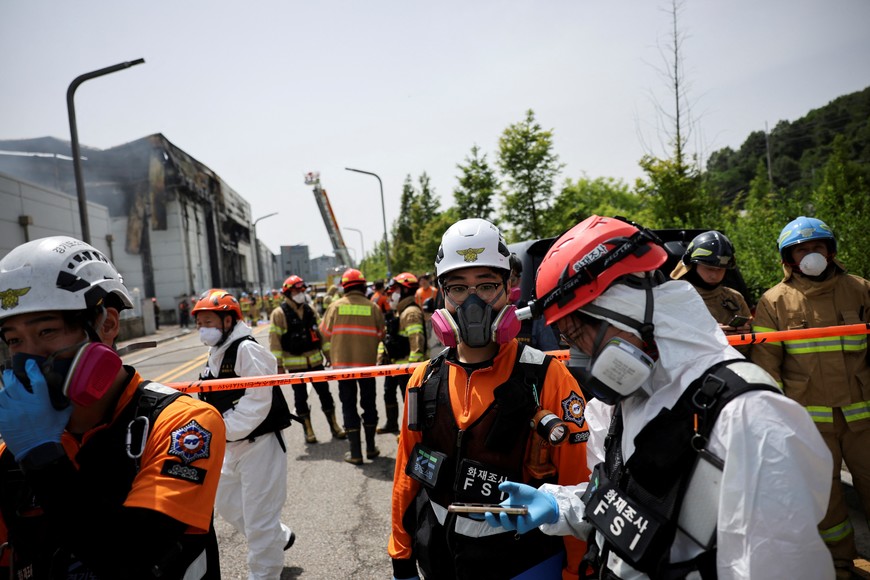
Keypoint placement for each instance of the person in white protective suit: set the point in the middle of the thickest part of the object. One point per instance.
(253, 483)
(704, 469)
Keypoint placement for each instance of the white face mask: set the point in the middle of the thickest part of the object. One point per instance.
(813, 264)
(298, 298)
(394, 299)
(210, 336)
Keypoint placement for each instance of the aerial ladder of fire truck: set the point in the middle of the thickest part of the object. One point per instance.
(341, 251)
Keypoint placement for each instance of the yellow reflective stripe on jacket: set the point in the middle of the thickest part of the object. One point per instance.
(294, 361)
(412, 329)
(821, 414)
(836, 533)
(854, 412)
(416, 357)
(850, 343)
(354, 310)
(762, 329)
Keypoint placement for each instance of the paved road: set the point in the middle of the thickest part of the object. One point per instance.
(340, 512)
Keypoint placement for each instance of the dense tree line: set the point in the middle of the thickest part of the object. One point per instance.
(819, 166)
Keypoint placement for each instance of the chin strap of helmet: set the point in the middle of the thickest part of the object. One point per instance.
(645, 328)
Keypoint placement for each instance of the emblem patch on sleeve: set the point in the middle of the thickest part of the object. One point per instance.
(192, 442)
(573, 408)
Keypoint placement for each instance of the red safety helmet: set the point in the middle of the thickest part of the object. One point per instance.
(588, 258)
(352, 277)
(217, 300)
(405, 279)
(293, 281)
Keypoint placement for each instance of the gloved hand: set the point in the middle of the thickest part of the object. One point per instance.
(28, 420)
(543, 508)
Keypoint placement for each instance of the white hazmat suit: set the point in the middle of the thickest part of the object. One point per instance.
(776, 480)
(253, 484)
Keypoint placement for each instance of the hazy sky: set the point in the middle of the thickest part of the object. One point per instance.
(265, 91)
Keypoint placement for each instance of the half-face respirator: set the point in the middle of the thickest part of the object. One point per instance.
(82, 379)
(476, 324)
(618, 371)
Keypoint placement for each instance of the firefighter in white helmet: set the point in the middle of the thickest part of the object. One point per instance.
(102, 474)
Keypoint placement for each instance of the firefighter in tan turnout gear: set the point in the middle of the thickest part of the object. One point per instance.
(404, 342)
(294, 339)
(829, 376)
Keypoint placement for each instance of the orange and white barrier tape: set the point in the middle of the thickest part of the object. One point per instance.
(408, 368)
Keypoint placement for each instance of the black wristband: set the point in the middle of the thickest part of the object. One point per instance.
(42, 456)
(405, 568)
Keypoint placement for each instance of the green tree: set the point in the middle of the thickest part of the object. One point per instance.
(673, 187)
(754, 230)
(841, 202)
(530, 166)
(402, 244)
(478, 184)
(673, 193)
(584, 197)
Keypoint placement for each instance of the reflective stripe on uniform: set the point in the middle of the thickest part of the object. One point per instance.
(836, 533)
(412, 329)
(354, 329)
(292, 362)
(854, 412)
(857, 411)
(354, 310)
(851, 343)
(821, 414)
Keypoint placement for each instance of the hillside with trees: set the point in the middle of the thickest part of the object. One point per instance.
(819, 166)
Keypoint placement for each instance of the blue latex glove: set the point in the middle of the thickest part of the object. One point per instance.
(28, 420)
(543, 508)
(411, 578)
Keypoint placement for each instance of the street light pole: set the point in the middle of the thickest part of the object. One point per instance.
(74, 138)
(361, 242)
(384, 215)
(257, 251)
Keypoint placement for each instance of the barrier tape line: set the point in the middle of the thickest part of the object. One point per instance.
(213, 385)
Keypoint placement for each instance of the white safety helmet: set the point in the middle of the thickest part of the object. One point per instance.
(58, 273)
(470, 243)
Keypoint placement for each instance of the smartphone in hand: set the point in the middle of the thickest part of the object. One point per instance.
(739, 321)
(480, 508)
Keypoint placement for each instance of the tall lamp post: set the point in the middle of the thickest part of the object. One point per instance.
(384, 215)
(74, 138)
(257, 251)
(361, 243)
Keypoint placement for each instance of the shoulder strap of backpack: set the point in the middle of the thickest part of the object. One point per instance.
(436, 372)
(232, 352)
(716, 388)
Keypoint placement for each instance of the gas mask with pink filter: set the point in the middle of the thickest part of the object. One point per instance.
(476, 324)
(82, 379)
